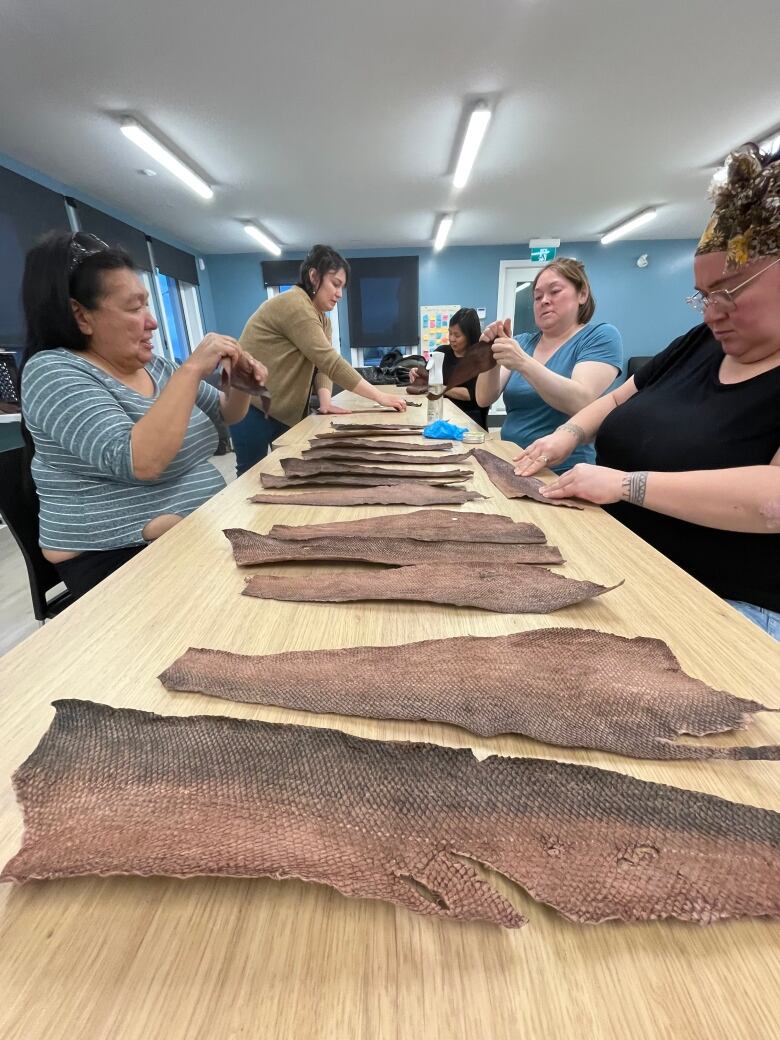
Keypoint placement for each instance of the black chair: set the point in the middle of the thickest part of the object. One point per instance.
(19, 509)
(635, 363)
(9, 378)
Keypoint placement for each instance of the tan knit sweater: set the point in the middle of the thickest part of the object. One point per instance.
(292, 339)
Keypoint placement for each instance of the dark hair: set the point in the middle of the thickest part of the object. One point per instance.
(468, 322)
(573, 271)
(58, 269)
(322, 259)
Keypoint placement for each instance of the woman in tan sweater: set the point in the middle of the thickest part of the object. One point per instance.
(291, 335)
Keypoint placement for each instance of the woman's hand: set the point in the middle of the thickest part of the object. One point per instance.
(507, 351)
(325, 405)
(509, 354)
(329, 408)
(254, 370)
(210, 351)
(546, 451)
(391, 401)
(496, 329)
(591, 483)
(412, 374)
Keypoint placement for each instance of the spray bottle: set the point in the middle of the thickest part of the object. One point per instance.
(435, 369)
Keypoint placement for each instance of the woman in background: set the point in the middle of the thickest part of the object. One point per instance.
(464, 332)
(291, 335)
(547, 376)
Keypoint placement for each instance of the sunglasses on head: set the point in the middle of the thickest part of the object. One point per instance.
(82, 248)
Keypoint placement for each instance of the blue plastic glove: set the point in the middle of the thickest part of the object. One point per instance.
(444, 431)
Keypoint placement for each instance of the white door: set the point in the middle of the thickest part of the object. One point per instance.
(515, 278)
(515, 301)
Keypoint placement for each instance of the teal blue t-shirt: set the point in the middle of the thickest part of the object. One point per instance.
(528, 416)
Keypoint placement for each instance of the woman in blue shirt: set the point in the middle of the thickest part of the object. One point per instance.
(547, 376)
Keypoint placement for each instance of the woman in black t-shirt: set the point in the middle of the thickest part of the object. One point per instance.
(688, 450)
(465, 331)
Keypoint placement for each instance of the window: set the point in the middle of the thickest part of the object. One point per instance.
(173, 317)
(383, 302)
(157, 338)
(26, 212)
(373, 355)
(190, 302)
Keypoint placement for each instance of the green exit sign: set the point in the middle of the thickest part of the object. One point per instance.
(543, 253)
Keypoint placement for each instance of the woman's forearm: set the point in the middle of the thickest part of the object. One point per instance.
(157, 438)
(587, 422)
(458, 393)
(746, 499)
(372, 393)
(236, 406)
(488, 387)
(562, 394)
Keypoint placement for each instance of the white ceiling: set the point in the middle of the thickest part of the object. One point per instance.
(335, 121)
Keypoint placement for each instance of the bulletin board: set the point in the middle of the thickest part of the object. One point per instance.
(435, 325)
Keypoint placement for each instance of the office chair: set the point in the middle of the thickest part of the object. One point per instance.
(19, 509)
(635, 363)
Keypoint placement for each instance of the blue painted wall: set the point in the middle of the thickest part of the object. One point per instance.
(128, 218)
(646, 304)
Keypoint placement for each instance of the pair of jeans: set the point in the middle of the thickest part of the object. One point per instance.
(88, 569)
(767, 620)
(252, 438)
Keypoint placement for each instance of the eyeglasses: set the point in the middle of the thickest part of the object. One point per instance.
(79, 251)
(724, 298)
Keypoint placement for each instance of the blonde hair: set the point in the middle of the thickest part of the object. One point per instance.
(574, 272)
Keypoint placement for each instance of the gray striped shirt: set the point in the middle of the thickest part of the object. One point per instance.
(81, 420)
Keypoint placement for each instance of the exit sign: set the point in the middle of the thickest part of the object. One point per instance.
(543, 254)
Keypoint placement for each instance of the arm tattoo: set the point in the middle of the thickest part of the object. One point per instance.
(634, 488)
(576, 431)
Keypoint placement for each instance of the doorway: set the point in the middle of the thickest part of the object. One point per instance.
(515, 278)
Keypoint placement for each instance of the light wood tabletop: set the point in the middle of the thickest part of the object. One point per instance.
(216, 958)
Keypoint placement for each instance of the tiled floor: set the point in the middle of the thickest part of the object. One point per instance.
(16, 616)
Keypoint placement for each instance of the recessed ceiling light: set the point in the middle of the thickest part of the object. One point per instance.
(629, 225)
(141, 137)
(263, 239)
(472, 139)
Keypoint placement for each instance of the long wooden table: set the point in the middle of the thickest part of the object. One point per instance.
(368, 412)
(164, 959)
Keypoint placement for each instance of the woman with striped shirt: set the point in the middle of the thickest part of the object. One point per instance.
(122, 439)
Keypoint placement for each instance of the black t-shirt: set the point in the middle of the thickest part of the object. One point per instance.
(684, 418)
(470, 407)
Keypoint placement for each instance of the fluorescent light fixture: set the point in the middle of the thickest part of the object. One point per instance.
(628, 226)
(262, 239)
(472, 139)
(136, 133)
(445, 224)
(521, 286)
